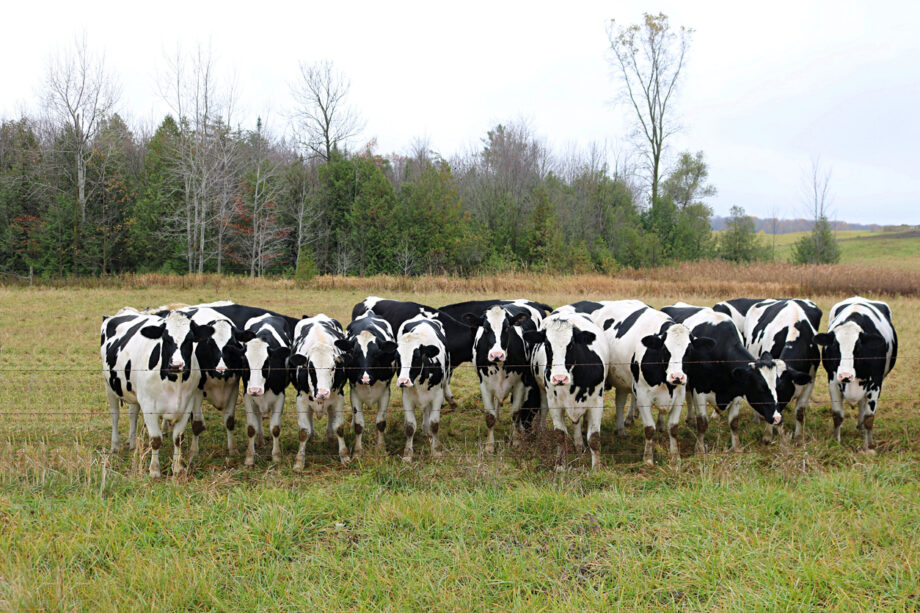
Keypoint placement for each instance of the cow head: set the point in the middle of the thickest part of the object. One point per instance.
(416, 359)
(367, 358)
(177, 335)
(846, 344)
(760, 380)
(565, 348)
(260, 360)
(318, 371)
(673, 346)
(221, 355)
(494, 331)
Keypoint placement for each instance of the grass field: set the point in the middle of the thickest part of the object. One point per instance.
(793, 528)
(895, 249)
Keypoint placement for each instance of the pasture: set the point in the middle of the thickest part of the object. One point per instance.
(782, 527)
(899, 249)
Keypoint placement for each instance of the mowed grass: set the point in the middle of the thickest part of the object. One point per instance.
(898, 249)
(783, 527)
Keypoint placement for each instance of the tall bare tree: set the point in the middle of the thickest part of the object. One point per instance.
(78, 95)
(649, 60)
(819, 247)
(322, 117)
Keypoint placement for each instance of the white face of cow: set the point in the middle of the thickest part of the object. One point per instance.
(223, 334)
(415, 352)
(495, 319)
(177, 337)
(559, 334)
(677, 342)
(364, 340)
(321, 364)
(770, 374)
(256, 356)
(847, 335)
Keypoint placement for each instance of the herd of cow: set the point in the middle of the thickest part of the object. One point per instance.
(164, 362)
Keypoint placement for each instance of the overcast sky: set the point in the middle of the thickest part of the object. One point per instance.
(769, 87)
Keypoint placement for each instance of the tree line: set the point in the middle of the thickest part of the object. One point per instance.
(84, 193)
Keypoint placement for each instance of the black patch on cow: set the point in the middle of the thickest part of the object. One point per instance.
(624, 326)
(586, 306)
(154, 357)
(128, 375)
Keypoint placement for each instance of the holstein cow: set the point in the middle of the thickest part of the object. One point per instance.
(148, 363)
(370, 355)
(220, 358)
(737, 309)
(569, 364)
(648, 353)
(265, 375)
(458, 335)
(502, 360)
(319, 379)
(786, 329)
(860, 349)
(424, 370)
(726, 373)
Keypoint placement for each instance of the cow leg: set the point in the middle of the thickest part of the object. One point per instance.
(133, 410)
(275, 423)
(734, 410)
(677, 405)
(578, 435)
(541, 414)
(409, 420)
(152, 421)
(517, 399)
(335, 414)
(197, 424)
(434, 424)
(230, 424)
(357, 423)
(178, 436)
(644, 403)
(768, 433)
(867, 407)
(561, 434)
(488, 406)
(697, 403)
(114, 410)
(631, 414)
(304, 429)
(800, 407)
(837, 413)
(381, 419)
(253, 425)
(449, 395)
(661, 421)
(620, 397)
(593, 416)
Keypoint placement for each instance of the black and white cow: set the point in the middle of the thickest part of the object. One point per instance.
(370, 357)
(569, 364)
(726, 373)
(149, 363)
(265, 375)
(648, 352)
(860, 349)
(786, 329)
(319, 378)
(737, 309)
(424, 370)
(241, 314)
(459, 310)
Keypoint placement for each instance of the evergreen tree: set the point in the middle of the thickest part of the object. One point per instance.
(739, 242)
(818, 246)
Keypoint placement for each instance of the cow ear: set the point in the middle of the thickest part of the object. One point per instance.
(345, 344)
(298, 359)
(799, 377)
(429, 351)
(824, 338)
(584, 337)
(871, 338)
(653, 341)
(244, 336)
(535, 336)
(386, 346)
(520, 319)
(305, 317)
(153, 332)
(472, 320)
(740, 374)
(201, 333)
(280, 352)
(702, 342)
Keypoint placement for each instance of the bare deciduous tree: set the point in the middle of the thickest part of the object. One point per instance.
(322, 116)
(649, 59)
(79, 94)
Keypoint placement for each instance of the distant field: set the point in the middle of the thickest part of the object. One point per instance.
(898, 249)
(780, 528)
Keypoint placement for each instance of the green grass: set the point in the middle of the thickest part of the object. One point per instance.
(805, 528)
(896, 249)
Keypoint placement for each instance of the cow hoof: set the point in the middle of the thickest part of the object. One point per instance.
(437, 454)
(114, 449)
(298, 463)
(490, 448)
(132, 446)
(869, 452)
(650, 461)
(735, 449)
(701, 448)
(452, 404)
(276, 457)
(249, 461)
(766, 441)
(345, 459)
(407, 458)
(559, 468)
(231, 452)
(155, 473)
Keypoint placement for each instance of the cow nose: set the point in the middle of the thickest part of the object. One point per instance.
(322, 394)
(560, 379)
(845, 377)
(678, 379)
(403, 382)
(221, 369)
(497, 356)
(777, 418)
(254, 391)
(365, 379)
(177, 363)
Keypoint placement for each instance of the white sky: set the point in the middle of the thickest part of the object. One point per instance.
(768, 87)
